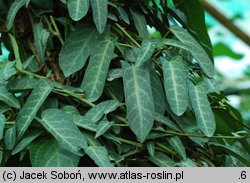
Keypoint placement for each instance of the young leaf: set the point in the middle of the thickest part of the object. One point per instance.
(67, 135)
(162, 160)
(146, 51)
(100, 13)
(103, 126)
(31, 106)
(77, 48)
(48, 153)
(151, 148)
(96, 73)
(203, 112)
(175, 84)
(26, 140)
(77, 8)
(2, 124)
(158, 93)
(100, 156)
(140, 23)
(41, 36)
(196, 50)
(8, 97)
(177, 145)
(139, 99)
(10, 137)
(14, 8)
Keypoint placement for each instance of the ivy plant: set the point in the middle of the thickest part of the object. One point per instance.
(113, 83)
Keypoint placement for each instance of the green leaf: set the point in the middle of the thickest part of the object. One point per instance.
(67, 135)
(212, 85)
(114, 74)
(146, 51)
(113, 90)
(187, 163)
(139, 99)
(123, 14)
(41, 36)
(203, 112)
(174, 73)
(26, 140)
(151, 148)
(162, 160)
(84, 123)
(158, 93)
(31, 64)
(8, 97)
(221, 49)
(31, 106)
(78, 8)
(97, 112)
(48, 153)
(7, 69)
(92, 141)
(177, 145)
(14, 8)
(194, 13)
(4, 107)
(100, 13)
(96, 73)
(140, 23)
(102, 128)
(10, 137)
(2, 124)
(77, 48)
(100, 156)
(162, 119)
(197, 51)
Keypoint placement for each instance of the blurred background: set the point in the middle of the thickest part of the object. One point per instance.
(232, 55)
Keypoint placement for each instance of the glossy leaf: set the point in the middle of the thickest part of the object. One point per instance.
(96, 73)
(146, 51)
(175, 84)
(8, 97)
(26, 140)
(177, 145)
(99, 155)
(77, 48)
(203, 113)
(10, 137)
(162, 160)
(139, 100)
(67, 135)
(197, 51)
(14, 8)
(103, 126)
(100, 13)
(78, 8)
(2, 124)
(158, 93)
(31, 106)
(48, 153)
(140, 23)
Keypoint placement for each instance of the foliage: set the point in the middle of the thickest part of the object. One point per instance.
(87, 84)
